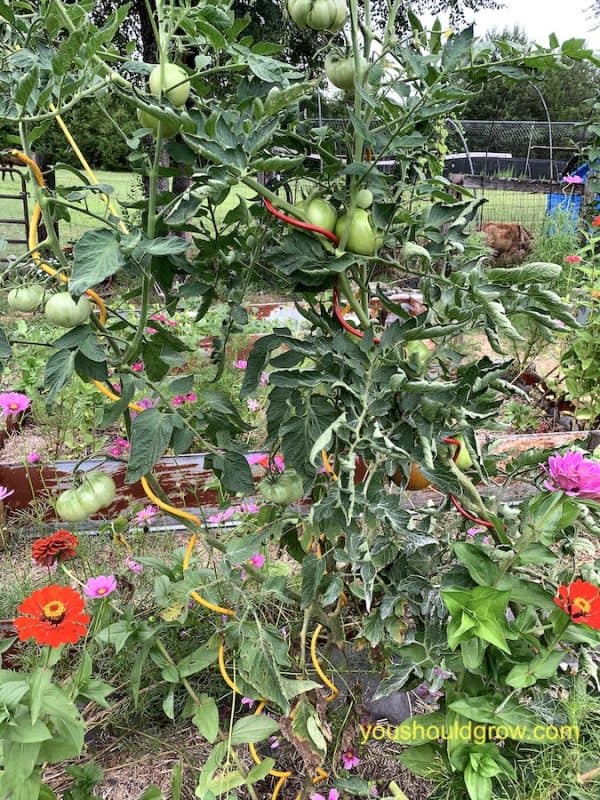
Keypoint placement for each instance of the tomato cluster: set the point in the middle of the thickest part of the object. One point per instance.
(97, 491)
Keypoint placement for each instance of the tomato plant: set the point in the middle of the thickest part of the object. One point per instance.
(345, 402)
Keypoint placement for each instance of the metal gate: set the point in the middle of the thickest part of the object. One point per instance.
(10, 171)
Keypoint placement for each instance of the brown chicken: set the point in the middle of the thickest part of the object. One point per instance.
(510, 240)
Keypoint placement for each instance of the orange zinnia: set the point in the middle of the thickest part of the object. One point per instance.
(52, 615)
(60, 546)
(581, 601)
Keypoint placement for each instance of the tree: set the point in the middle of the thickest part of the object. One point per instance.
(567, 89)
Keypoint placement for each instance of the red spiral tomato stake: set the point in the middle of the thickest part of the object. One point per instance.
(296, 223)
(466, 514)
(342, 320)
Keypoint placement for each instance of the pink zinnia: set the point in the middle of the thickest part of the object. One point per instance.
(13, 403)
(257, 560)
(573, 259)
(574, 474)
(350, 759)
(146, 514)
(240, 364)
(99, 587)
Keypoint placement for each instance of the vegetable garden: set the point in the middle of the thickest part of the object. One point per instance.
(362, 557)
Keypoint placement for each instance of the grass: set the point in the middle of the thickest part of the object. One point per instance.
(127, 189)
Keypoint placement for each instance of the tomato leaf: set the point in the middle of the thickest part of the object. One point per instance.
(150, 436)
(96, 256)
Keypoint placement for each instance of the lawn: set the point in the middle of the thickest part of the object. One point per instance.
(127, 189)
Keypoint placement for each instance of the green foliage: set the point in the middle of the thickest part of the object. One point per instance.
(476, 619)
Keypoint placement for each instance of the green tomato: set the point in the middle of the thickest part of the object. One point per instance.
(463, 461)
(26, 298)
(319, 15)
(69, 507)
(62, 310)
(176, 86)
(341, 71)
(364, 199)
(97, 491)
(283, 489)
(321, 212)
(418, 352)
(361, 235)
(169, 127)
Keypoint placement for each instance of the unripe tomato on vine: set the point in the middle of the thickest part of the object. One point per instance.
(318, 15)
(341, 70)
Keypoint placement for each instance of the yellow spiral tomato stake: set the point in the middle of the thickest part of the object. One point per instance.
(318, 669)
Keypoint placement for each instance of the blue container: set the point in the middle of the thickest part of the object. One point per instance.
(569, 205)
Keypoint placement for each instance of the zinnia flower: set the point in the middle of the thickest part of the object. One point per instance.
(13, 403)
(575, 475)
(52, 615)
(277, 464)
(573, 259)
(4, 492)
(581, 601)
(350, 759)
(100, 586)
(60, 546)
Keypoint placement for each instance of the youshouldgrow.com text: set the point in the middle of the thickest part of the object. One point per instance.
(467, 732)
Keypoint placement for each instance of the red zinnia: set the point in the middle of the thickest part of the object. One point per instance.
(581, 601)
(596, 222)
(60, 546)
(52, 615)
